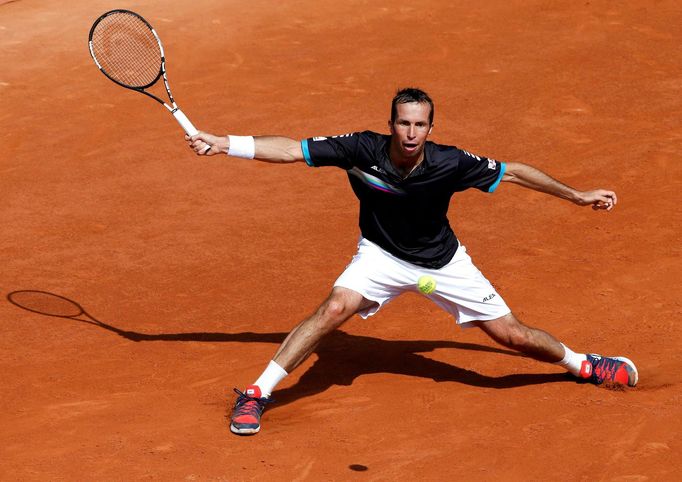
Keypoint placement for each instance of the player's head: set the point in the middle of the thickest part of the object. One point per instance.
(411, 94)
(411, 123)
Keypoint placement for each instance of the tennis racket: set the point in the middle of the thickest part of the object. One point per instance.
(127, 49)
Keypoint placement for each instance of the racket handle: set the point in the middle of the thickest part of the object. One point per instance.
(184, 122)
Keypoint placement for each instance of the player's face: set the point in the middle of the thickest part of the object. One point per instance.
(410, 129)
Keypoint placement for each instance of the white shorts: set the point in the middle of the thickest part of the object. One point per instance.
(461, 289)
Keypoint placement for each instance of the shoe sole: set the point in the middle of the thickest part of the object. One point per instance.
(244, 431)
(631, 383)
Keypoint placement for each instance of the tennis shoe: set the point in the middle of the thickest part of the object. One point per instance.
(247, 411)
(598, 369)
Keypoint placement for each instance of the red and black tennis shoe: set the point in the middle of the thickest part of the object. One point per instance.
(598, 369)
(247, 411)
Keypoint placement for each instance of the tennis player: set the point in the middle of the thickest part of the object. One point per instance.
(404, 184)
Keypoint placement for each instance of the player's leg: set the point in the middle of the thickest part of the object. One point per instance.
(370, 281)
(341, 304)
(462, 290)
(511, 333)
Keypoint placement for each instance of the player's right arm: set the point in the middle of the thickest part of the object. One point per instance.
(275, 149)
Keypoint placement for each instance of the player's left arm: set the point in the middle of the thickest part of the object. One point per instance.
(533, 178)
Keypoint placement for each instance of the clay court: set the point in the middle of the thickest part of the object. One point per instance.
(192, 270)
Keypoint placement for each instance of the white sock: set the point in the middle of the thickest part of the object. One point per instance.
(269, 379)
(572, 361)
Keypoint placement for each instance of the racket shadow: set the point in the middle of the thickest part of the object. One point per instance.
(57, 306)
(341, 357)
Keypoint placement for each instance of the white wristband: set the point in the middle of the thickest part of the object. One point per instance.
(242, 146)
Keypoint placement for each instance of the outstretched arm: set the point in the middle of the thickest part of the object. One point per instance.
(266, 148)
(532, 178)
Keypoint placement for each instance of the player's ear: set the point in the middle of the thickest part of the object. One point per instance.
(430, 129)
(390, 126)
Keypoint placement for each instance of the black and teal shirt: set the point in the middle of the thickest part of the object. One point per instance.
(405, 216)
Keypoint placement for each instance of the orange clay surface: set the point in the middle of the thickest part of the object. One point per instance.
(196, 268)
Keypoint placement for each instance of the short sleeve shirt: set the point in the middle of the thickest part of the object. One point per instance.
(405, 216)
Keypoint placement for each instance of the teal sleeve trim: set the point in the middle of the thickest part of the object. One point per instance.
(306, 153)
(503, 167)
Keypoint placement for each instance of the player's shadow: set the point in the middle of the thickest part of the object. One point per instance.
(341, 356)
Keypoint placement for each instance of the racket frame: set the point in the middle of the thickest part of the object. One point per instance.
(173, 108)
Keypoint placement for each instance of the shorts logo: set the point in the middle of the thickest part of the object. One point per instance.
(489, 297)
(492, 164)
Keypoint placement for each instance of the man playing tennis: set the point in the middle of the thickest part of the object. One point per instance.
(404, 184)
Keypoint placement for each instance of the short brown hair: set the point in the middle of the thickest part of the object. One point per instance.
(410, 94)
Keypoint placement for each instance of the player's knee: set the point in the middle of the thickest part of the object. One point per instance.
(508, 331)
(518, 337)
(334, 311)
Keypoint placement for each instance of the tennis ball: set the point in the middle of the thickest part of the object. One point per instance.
(426, 284)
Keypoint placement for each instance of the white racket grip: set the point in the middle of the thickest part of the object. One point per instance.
(184, 122)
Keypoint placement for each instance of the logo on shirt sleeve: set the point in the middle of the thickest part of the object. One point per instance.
(322, 138)
(471, 155)
(492, 163)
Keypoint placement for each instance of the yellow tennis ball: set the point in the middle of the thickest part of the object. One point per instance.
(426, 284)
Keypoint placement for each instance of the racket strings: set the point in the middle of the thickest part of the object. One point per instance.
(127, 50)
